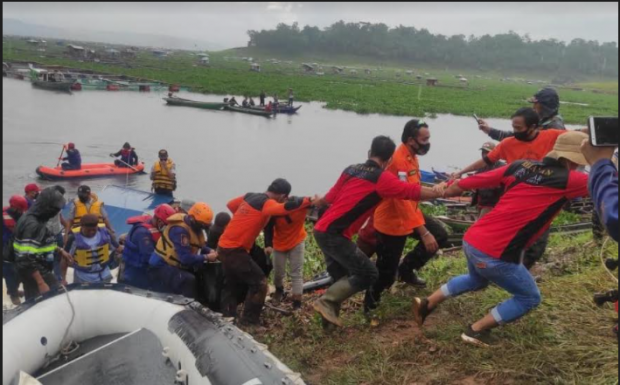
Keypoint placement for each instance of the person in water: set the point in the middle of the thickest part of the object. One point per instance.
(128, 155)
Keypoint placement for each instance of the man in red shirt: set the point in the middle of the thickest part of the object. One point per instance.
(353, 200)
(251, 213)
(535, 193)
(529, 142)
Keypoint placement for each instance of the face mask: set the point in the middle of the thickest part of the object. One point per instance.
(523, 136)
(422, 149)
(83, 199)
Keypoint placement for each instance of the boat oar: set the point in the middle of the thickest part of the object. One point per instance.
(131, 167)
(60, 157)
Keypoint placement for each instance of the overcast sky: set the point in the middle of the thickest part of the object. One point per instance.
(227, 23)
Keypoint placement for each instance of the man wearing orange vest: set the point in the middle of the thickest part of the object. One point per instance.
(395, 220)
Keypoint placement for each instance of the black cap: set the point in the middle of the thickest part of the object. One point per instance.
(126, 145)
(221, 221)
(83, 190)
(280, 186)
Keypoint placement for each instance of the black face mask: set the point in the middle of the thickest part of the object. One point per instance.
(523, 136)
(422, 149)
(83, 199)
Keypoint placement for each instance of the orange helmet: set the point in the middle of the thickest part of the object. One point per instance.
(201, 212)
(163, 212)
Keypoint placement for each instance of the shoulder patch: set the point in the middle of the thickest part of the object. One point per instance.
(413, 172)
(184, 240)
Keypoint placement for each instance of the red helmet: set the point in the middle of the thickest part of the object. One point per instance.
(70, 145)
(163, 212)
(18, 202)
(32, 187)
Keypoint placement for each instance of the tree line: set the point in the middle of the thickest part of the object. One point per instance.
(502, 52)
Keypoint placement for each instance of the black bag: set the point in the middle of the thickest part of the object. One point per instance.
(8, 251)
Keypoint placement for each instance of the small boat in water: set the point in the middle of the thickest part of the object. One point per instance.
(88, 170)
(251, 111)
(50, 81)
(280, 109)
(116, 334)
(192, 103)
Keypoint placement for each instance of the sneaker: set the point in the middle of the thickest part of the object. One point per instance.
(421, 310)
(412, 279)
(483, 339)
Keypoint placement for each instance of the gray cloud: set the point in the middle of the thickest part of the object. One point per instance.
(228, 23)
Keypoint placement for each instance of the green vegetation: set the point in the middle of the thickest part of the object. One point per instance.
(507, 52)
(385, 91)
(568, 340)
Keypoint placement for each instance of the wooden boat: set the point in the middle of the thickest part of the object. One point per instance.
(280, 110)
(88, 170)
(64, 86)
(195, 104)
(250, 111)
(117, 334)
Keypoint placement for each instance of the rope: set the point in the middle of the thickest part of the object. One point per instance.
(71, 345)
(602, 256)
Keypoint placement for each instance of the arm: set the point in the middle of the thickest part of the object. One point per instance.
(604, 189)
(389, 186)
(134, 157)
(490, 179)
(180, 239)
(142, 238)
(108, 225)
(500, 135)
(234, 204)
(69, 223)
(477, 165)
(273, 208)
(269, 230)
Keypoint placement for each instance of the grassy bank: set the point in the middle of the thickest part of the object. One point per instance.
(568, 340)
(387, 90)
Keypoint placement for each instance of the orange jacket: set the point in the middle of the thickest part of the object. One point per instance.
(398, 217)
(251, 213)
(285, 233)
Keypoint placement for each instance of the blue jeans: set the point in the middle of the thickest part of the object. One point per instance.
(514, 278)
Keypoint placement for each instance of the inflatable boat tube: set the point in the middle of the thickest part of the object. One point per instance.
(88, 170)
(127, 336)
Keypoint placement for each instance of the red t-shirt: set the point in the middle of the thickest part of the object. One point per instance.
(511, 149)
(535, 194)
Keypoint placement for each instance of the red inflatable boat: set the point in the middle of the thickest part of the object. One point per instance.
(88, 170)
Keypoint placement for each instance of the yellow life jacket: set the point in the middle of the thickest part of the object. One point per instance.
(86, 256)
(161, 179)
(165, 248)
(81, 210)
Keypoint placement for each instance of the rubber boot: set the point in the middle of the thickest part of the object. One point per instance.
(329, 304)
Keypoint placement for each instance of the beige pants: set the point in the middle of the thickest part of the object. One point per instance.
(296, 259)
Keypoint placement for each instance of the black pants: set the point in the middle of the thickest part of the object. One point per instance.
(31, 289)
(536, 251)
(345, 259)
(244, 279)
(419, 256)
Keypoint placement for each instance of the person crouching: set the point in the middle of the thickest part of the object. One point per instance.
(182, 248)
